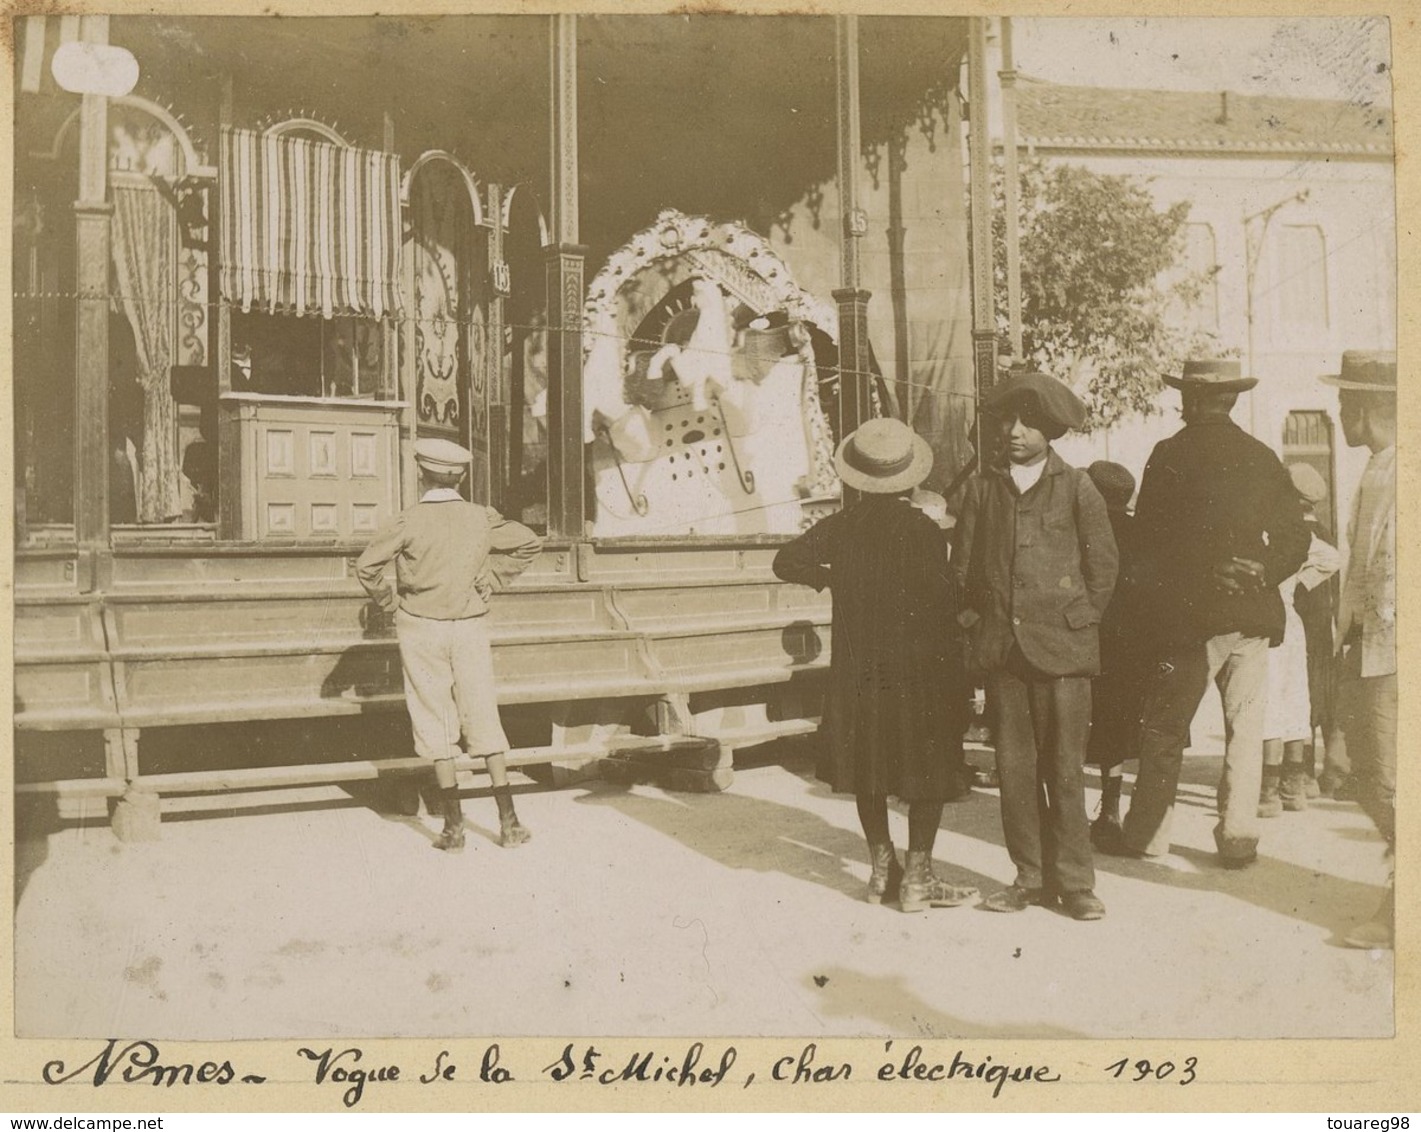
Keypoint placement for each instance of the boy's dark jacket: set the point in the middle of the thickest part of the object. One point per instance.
(1037, 570)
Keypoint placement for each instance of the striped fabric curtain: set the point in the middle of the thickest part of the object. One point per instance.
(308, 226)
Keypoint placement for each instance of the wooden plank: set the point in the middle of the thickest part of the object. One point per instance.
(53, 692)
(357, 770)
(763, 732)
(74, 788)
(336, 642)
(65, 720)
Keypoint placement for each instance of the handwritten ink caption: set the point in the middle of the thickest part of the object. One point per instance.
(1143, 1070)
(353, 1075)
(140, 1062)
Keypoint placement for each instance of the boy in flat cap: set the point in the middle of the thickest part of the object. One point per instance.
(1037, 562)
(435, 567)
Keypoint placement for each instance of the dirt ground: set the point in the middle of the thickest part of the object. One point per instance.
(635, 911)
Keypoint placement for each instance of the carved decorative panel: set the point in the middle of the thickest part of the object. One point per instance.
(364, 517)
(280, 452)
(324, 519)
(281, 518)
(322, 447)
(314, 470)
(364, 452)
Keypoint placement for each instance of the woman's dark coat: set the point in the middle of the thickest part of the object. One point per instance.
(895, 709)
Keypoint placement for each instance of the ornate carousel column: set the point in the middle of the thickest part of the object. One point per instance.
(855, 378)
(496, 396)
(984, 323)
(93, 214)
(566, 503)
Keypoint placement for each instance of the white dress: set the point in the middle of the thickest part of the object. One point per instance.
(1288, 715)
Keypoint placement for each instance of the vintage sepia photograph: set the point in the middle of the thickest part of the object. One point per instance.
(703, 526)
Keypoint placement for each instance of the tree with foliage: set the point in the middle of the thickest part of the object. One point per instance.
(1103, 293)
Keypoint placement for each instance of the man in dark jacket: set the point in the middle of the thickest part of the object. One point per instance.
(1219, 527)
(1037, 560)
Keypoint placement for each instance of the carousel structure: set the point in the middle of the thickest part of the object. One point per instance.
(649, 270)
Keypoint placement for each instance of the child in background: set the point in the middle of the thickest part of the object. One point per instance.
(1288, 718)
(1124, 653)
(1317, 609)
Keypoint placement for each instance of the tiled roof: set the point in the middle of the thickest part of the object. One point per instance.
(1079, 117)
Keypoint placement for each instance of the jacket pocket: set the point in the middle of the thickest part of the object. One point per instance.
(1081, 614)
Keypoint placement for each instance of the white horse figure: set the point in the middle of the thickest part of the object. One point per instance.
(707, 430)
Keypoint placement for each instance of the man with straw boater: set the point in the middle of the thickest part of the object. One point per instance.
(1366, 618)
(435, 567)
(1219, 528)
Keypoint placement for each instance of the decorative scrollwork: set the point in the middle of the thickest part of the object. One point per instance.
(739, 259)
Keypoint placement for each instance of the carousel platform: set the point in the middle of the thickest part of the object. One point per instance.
(648, 653)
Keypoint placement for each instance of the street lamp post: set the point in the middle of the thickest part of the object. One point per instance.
(1255, 231)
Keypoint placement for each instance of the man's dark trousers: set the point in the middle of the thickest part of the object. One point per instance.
(1238, 664)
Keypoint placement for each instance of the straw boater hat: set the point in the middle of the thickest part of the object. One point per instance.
(1372, 371)
(441, 457)
(1050, 401)
(883, 456)
(1219, 375)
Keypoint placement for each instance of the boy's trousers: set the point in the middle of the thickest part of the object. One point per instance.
(449, 686)
(1043, 724)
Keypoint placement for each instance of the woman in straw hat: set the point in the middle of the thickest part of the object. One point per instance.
(893, 717)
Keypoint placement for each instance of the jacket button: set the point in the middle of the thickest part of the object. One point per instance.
(1016, 620)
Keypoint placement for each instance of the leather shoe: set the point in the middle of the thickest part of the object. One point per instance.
(1110, 840)
(1374, 935)
(1084, 905)
(1239, 862)
(1014, 898)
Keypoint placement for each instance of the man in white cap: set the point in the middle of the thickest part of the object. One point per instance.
(435, 566)
(1366, 618)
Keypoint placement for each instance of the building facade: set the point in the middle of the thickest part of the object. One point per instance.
(1293, 222)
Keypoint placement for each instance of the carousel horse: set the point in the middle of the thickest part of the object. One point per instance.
(705, 434)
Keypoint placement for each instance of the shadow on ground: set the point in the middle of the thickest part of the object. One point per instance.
(749, 833)
(1307, 895)
(842, 992)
